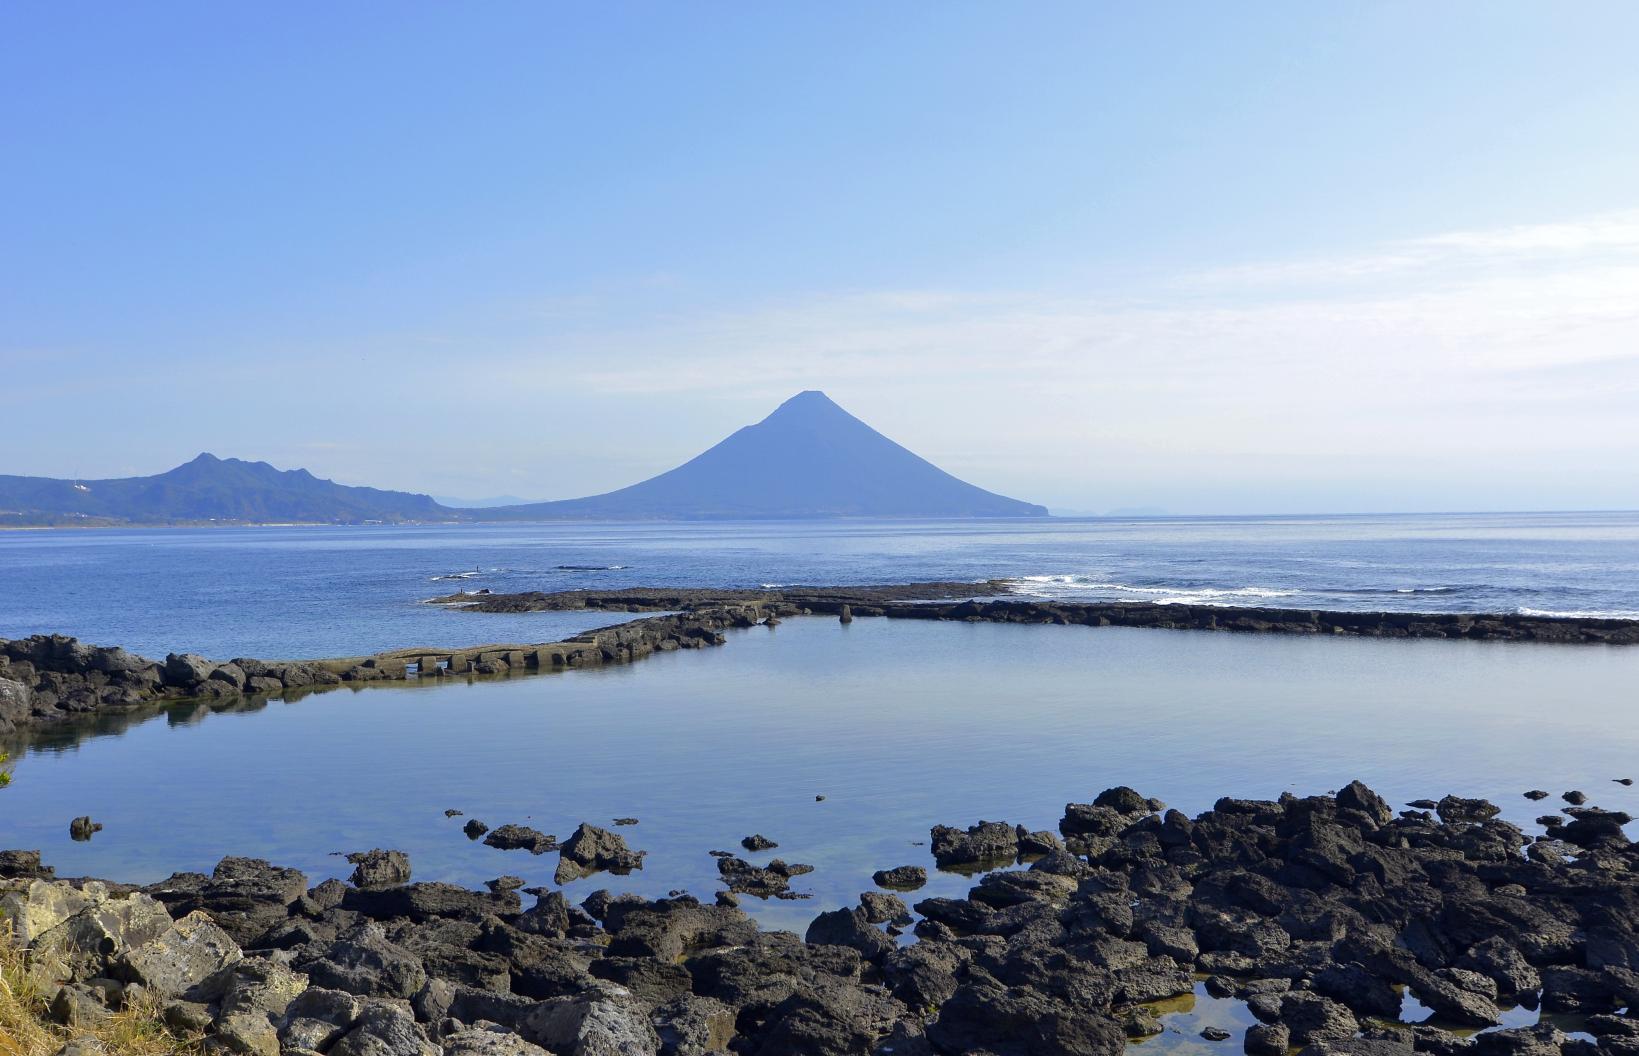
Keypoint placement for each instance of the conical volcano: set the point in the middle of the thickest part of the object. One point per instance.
(808, 459)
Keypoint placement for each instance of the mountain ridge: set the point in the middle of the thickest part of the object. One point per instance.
(209, 489)
(808, 459)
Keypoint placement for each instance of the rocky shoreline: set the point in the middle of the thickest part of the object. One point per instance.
(51, 679)
(933, 601)
(1318, 916)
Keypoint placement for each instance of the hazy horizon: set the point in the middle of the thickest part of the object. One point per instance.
(1289, 259)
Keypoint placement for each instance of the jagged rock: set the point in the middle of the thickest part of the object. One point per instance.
(591, 850)
(384, 1029)
(604, 1021)
(424, 901)
(987, 843)
(190, 952)
(379, 868)
(1035, 844)
(1267, 1039)
(81, 829)
(488, 1041)
(1356, 796)
(474, 828)
(1311, 1018)
(78, 1007)
(852, 928)
(363, 962)
(883, 908)
(247, 1033)
(24, 865)
(901, 878)
(94, 936)
(770, 881)
(758, 842)
(1019, 1021)
(516, 838)
(317, 1018)
(185, 670)
(1590, 826)
(244, 896)
(1453, 809)
(693, 1026)
(253, 985)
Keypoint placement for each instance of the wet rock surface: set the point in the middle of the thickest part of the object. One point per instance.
(1320, 915)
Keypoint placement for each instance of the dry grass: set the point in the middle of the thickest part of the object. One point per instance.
(26, 1030)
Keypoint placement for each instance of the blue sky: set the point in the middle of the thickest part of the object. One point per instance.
(1212, 258)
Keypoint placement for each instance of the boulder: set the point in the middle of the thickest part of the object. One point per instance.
(364, 963)
(883, 908)
(24, 865)
(1017, 1021)
(851, 928)
(193, 950)
(1454, 809)
(770, 881)
(603, 1021)
(987, 843)
(1356, 796)
(490, 1040)
(901, 878)
(591, 850)
(384, 1029)
(379, 868)
(185, 670)
(253, 985)
(516, 838)
(316, 1018)
(245, 896)
(693, 1026)
(92, 941)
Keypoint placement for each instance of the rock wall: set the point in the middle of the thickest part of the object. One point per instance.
(52, 679)
(932, 601)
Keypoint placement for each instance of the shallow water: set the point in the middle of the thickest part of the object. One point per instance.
(334, 591)
(900, 725)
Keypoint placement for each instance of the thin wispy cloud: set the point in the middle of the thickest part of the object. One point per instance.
(1456, 307)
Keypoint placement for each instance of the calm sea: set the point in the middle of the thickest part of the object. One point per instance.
(331, 591)
(899, 725)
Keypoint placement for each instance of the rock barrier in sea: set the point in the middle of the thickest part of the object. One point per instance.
(48, 679)
(1316, 914)
(979, 602)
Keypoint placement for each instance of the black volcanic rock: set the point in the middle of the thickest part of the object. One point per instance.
(810, 458)
(209, 489)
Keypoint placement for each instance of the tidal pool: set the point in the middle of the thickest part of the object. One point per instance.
(900, 725)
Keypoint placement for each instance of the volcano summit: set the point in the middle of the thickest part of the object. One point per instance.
(809, 459)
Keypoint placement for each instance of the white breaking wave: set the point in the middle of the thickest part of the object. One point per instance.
(457, 575)
(1582, 614)
(1073, 586)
